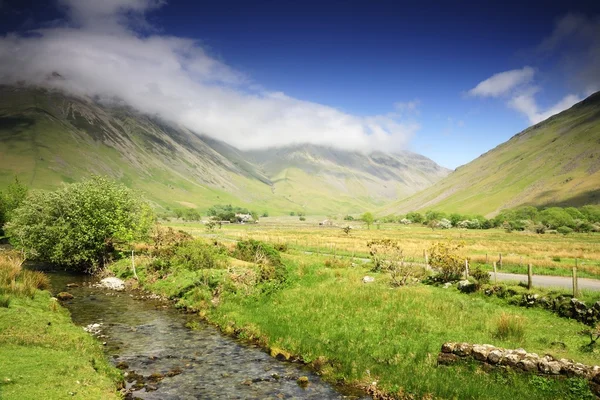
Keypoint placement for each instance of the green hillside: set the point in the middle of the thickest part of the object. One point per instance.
(556, 162)
(47, 138)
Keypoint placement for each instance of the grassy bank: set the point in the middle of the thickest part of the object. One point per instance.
(359, 333)
(43, 355)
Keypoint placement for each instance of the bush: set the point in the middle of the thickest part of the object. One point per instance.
(565, 230)
(257, 252)
(348, 218)
(196, 255)
(482, 277)
(415, 217)
(303, 218)
(10, 201)
(449, 259)
(80, 225)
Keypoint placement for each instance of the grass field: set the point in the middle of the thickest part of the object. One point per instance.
(43, 355)
(549, 254)
(359, 334)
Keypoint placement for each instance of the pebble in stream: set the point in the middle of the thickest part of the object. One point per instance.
(163, 359)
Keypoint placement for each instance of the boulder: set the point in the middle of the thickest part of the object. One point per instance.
(495, 356)
(448, 347)
(112, 283)
(64, 296)
(480, 352)
(368, 279)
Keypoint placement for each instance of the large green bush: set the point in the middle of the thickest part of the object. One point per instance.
(79, 226)
(10, 200)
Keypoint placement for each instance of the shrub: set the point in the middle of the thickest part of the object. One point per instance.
(257, 252)
(384, 252)
(80, 225)
(444, 224)
(303, 218)
(449, 259)
(196, 255)
(282, 247)
(565, 230)
(348, 218)
(415, 217)
(482, 277)
(510, 327)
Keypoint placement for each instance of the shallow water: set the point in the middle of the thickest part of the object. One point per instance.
(152, 338)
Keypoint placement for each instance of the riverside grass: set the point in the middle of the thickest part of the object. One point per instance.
(43, 355)
(357, 333)
(517, 248)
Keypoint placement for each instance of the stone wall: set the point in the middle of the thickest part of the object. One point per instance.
(519, 360)
(563, 305)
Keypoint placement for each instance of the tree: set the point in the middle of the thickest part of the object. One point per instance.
(79, 226)
(368, 219)
(415, 217)
(15, 194)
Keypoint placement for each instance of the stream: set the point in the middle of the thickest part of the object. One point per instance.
(164, 359)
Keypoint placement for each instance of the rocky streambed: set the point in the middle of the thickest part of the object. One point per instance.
(167, 354)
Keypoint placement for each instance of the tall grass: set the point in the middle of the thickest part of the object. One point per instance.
(510, 327)
(16, 281)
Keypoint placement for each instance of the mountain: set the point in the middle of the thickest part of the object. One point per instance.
(48, 137)
(555, 162)
(325, 172)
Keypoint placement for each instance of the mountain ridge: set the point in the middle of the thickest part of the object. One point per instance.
(48, 137)
(554, 162)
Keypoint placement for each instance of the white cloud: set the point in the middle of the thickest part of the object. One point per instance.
(408, 106)
(503, 83)
(176, 79)
(526, 104)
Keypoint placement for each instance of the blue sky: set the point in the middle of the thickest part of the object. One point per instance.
(407, 69)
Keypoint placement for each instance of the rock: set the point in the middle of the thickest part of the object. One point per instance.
(549, 367)
(511, 360)
(527, 365)
(448, 347)
(111, 283)
(463, 349)
(62, 296)
(447, 358)
(368, 279)
(447, 285)
(495, 356)
(70, 285)
(480, 352)
(122, 365)
(465, 286)
(302, 381)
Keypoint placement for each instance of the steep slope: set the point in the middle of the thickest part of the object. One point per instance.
(556, 162)
(47, 137)
(307, 173)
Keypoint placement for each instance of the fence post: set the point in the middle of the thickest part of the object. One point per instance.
(575, 283)
(133, 265)
(495, 274)
(529, 276)
(466, 269)
(500, 260)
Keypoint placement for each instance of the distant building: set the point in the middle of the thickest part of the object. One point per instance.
(243, 218)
